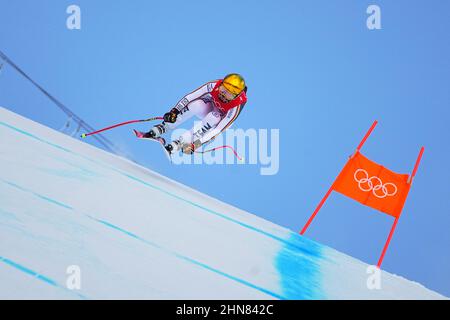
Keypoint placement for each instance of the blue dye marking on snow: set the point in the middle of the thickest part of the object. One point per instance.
(286, 242)
(14, 185)
(7, 215)
(53, 201)
(48, 280)
(116, 228)
(246, 283)
(37, 195)
(81, 176)
(18, 266)
(245, 225)
(34, 137)
(190, 260)
(71, 170)
(299, 270)
(37, 275)
(268, 292)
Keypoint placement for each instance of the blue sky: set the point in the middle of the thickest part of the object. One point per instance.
(314, 71)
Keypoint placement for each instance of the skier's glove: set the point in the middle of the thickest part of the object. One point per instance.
(171, 116)
(189, 148)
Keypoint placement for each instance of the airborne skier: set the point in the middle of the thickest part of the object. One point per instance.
(217, 104)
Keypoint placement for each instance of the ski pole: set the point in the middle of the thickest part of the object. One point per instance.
(84, 135)
(223, 147)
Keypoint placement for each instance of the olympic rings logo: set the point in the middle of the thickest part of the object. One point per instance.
(374, 184)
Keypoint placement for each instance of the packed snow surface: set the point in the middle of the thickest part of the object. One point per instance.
(68, 209)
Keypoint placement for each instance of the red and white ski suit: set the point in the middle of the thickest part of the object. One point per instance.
(216, 116)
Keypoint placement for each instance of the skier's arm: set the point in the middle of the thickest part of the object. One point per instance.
(196, 94)
(171, 116)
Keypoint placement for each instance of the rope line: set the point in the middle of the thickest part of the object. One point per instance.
(70, 114)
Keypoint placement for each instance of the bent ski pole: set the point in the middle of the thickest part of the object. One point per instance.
(223, 147)
(84, 135)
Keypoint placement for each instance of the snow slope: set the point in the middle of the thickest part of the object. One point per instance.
(136, 234)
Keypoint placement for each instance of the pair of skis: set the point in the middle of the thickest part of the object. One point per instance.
(159, 140)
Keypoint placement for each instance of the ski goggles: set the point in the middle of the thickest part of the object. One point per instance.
(225, 95)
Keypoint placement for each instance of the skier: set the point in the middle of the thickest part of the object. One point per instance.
(217, 103)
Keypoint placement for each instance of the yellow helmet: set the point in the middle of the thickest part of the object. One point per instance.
(234, 83)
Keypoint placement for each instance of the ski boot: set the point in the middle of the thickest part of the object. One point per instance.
(155, 132)
(173, 146)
